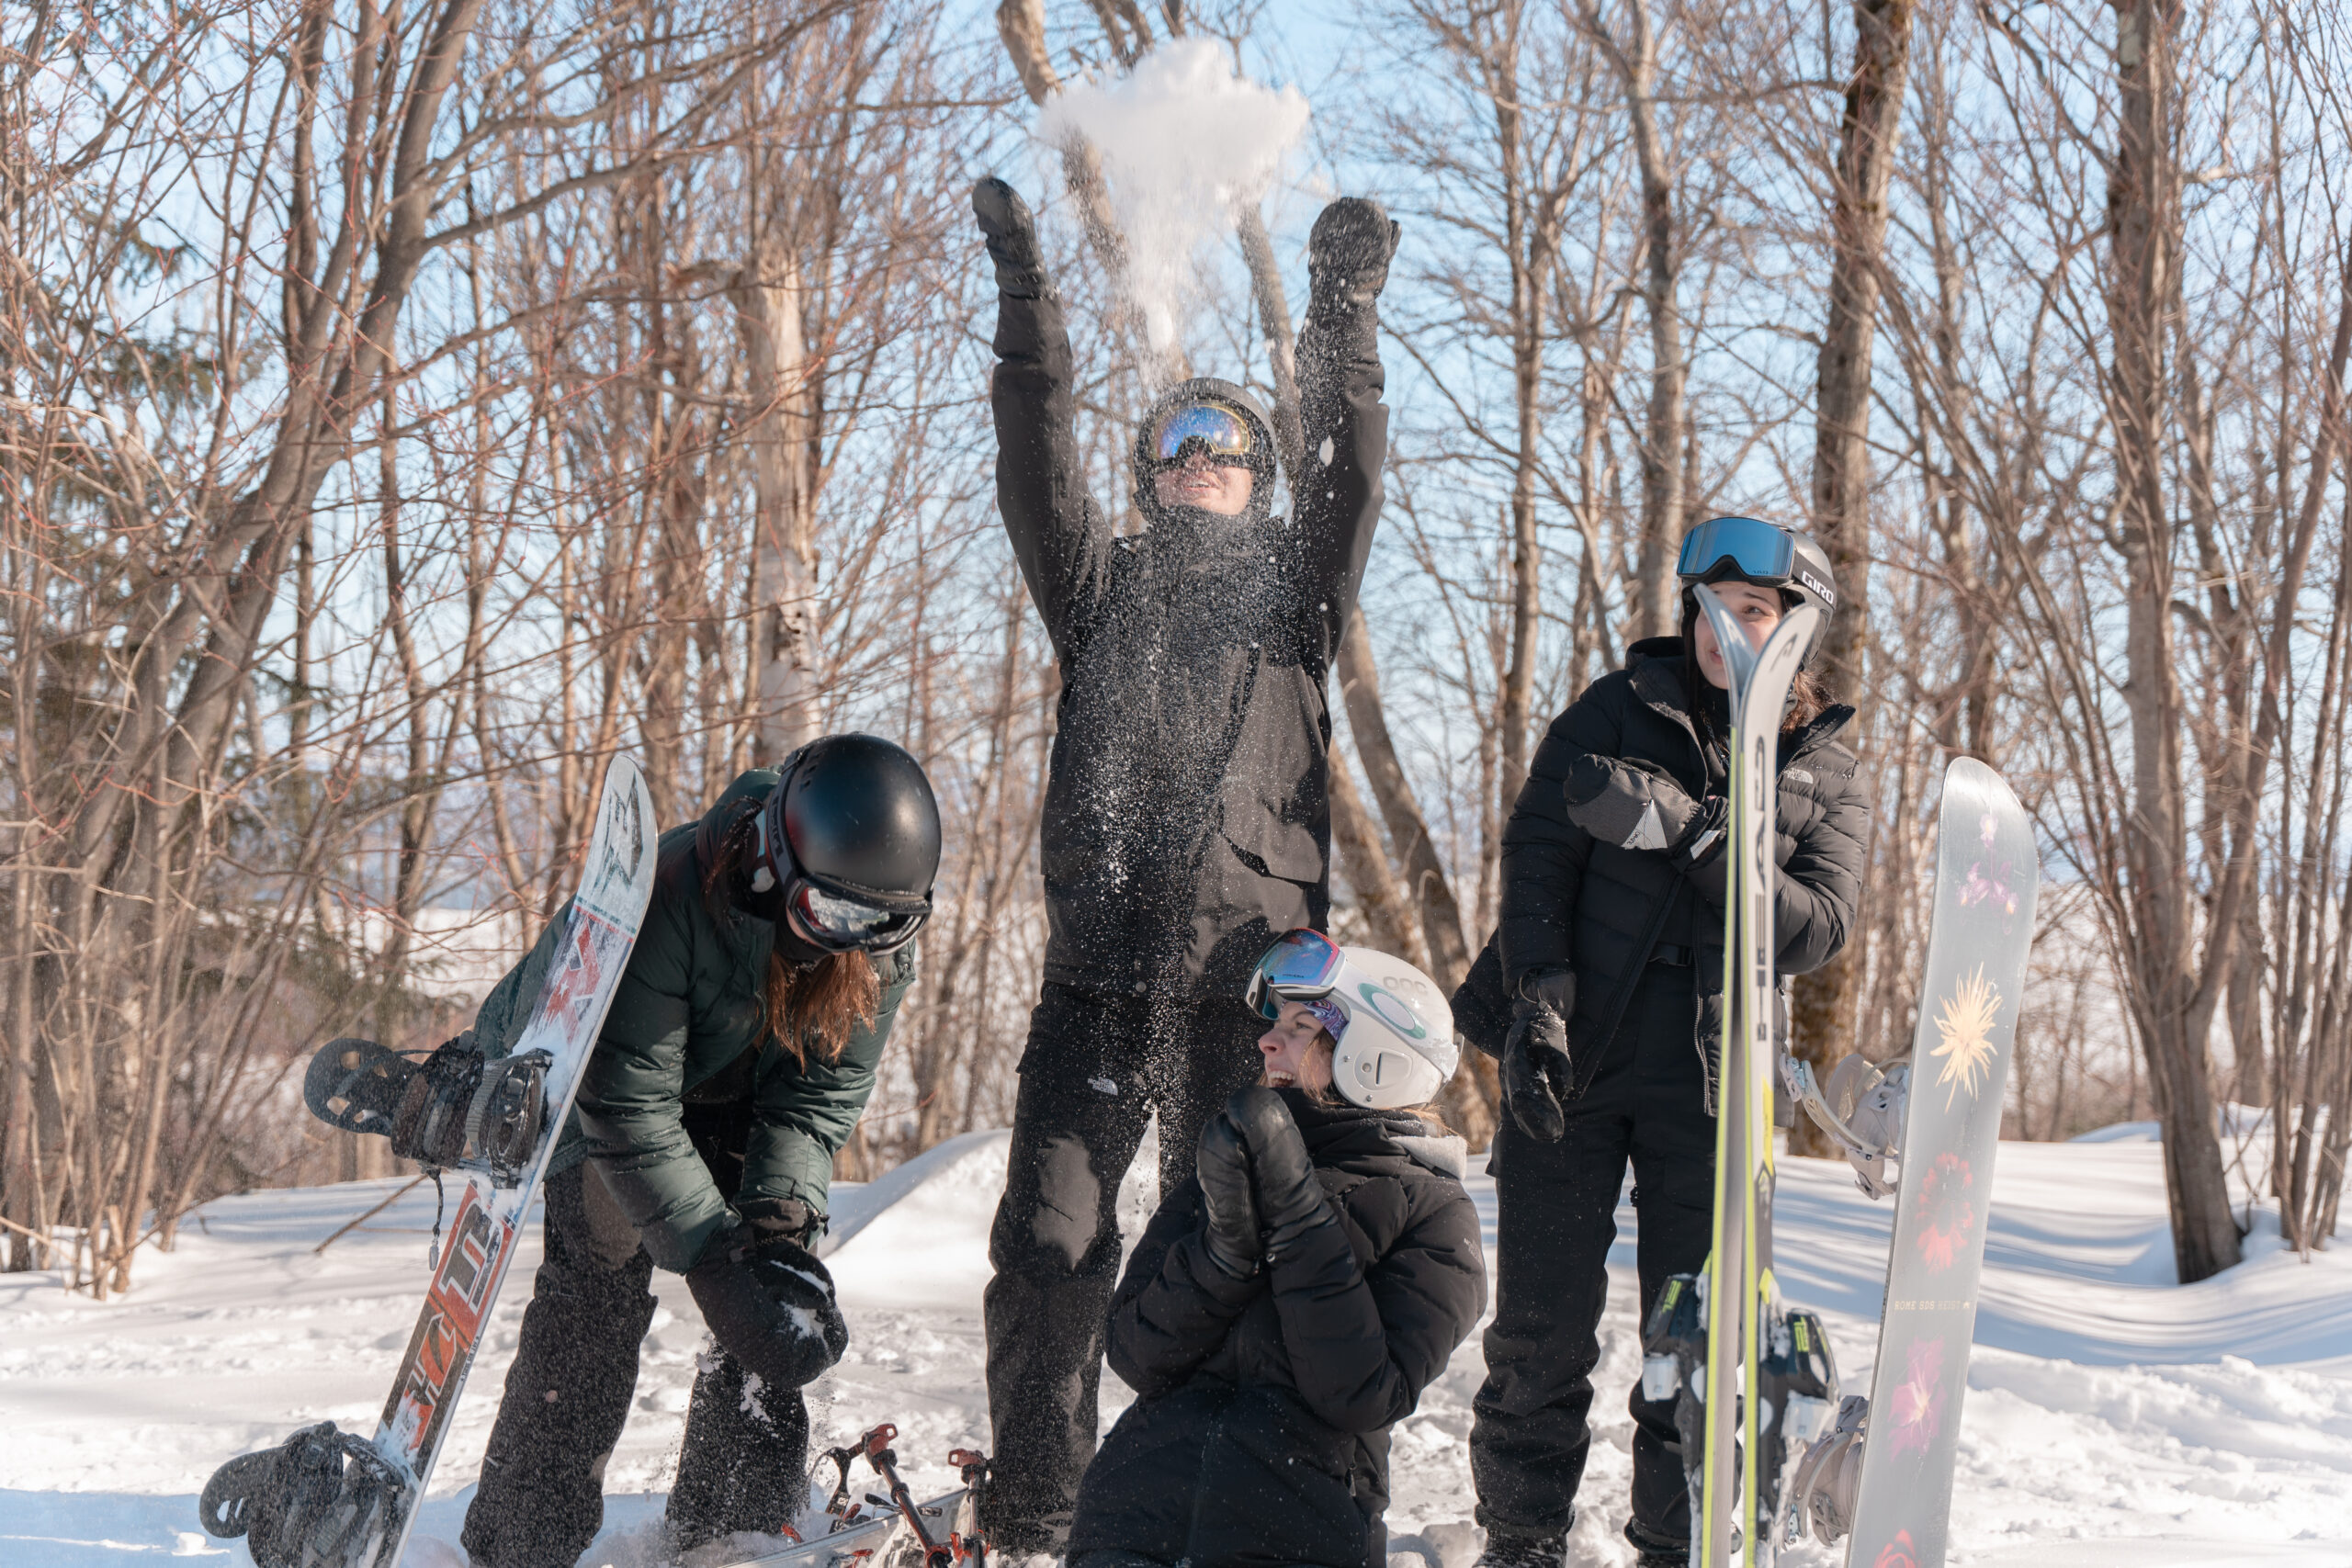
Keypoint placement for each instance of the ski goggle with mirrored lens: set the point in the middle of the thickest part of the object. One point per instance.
(1757, 551)
(839, 924)
(1302, 965)
(1212, 428)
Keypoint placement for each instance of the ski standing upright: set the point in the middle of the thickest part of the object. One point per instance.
(332, 1499)
(1724, 1330)
(1886, 1474)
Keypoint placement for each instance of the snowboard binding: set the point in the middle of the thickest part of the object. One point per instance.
(319, 1498)
(1862, 1111)
(960, 1547)
(456, 1109)
(1828, 1479)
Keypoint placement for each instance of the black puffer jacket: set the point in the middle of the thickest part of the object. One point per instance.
(1602, 909)
(1187, 822)
(1260, 1432)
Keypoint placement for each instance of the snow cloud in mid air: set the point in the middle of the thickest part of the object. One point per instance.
(1183, 139)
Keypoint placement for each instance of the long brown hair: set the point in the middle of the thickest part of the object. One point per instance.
(820, 1004)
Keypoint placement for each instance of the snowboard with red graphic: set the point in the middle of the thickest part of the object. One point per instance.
(1986, 877)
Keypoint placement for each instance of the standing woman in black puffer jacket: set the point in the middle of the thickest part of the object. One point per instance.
(1610, 948)
(1287, 1305)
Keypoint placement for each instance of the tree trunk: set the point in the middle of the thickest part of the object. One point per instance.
(2143, 285)
(1356, 838)
(1824, 1002)
(1664, 430)
(1408, 831)
(768, 298)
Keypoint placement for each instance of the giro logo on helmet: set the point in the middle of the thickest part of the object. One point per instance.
(1829, 592)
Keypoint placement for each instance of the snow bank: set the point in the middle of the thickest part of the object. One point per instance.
(2114, 1418)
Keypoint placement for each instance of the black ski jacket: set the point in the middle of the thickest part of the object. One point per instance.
(1260, 1433)
(1186, 822)
(686, 1044)
(1602, 909)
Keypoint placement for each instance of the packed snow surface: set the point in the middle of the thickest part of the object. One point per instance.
(2115, 1420)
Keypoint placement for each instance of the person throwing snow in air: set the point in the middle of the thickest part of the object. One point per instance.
(1186, 822)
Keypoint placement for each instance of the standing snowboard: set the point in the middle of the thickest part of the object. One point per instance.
(1987, 875)
(330, 1499)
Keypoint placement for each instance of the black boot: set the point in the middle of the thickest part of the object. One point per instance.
(1510, 1549)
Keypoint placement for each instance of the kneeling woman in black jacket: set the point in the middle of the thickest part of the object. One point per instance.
(1289, 1304)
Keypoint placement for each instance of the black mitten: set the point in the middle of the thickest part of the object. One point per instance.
(1232, 1237)
(1626, 802)
(770, 1304)
(1012, 236)
(1347, 254)
(1291, 1204)
(1538, 1074)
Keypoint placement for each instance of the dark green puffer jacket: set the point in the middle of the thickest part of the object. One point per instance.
(686, 1012)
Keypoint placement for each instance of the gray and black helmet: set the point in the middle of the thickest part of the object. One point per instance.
(849, 841)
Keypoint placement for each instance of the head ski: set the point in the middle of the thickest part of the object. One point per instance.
(1735, 1491)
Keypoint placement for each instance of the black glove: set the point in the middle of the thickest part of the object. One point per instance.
(1553, 985)
(1347, 254)
(1538, 1077)
(1012, 237)
(1291, 1204)
(1231, 1237)
(770, 1304)
(1635, 804)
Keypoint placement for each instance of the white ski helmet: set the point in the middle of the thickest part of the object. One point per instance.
(1393, 1042)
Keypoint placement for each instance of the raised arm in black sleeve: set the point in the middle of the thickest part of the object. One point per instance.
(1344, 425)
(1058, 533)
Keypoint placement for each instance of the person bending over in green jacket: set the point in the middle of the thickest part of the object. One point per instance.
(737, 1057)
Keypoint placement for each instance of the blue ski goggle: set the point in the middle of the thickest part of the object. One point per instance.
(1760, 552)
(1300, 966)
(1211, 428)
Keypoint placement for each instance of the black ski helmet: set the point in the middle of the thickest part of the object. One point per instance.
(1208, 393)
(850, 839)
(1747, 549)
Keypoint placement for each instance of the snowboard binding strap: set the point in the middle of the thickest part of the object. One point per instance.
(1862, 1111)
(316, 1499)
(1828, 1478)
(456, 1109)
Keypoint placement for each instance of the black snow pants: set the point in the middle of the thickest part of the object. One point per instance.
(1093, 1071)
(743, 1465)
(1557, 1217)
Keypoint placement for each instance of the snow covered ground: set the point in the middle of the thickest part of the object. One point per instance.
(2115, 1420)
